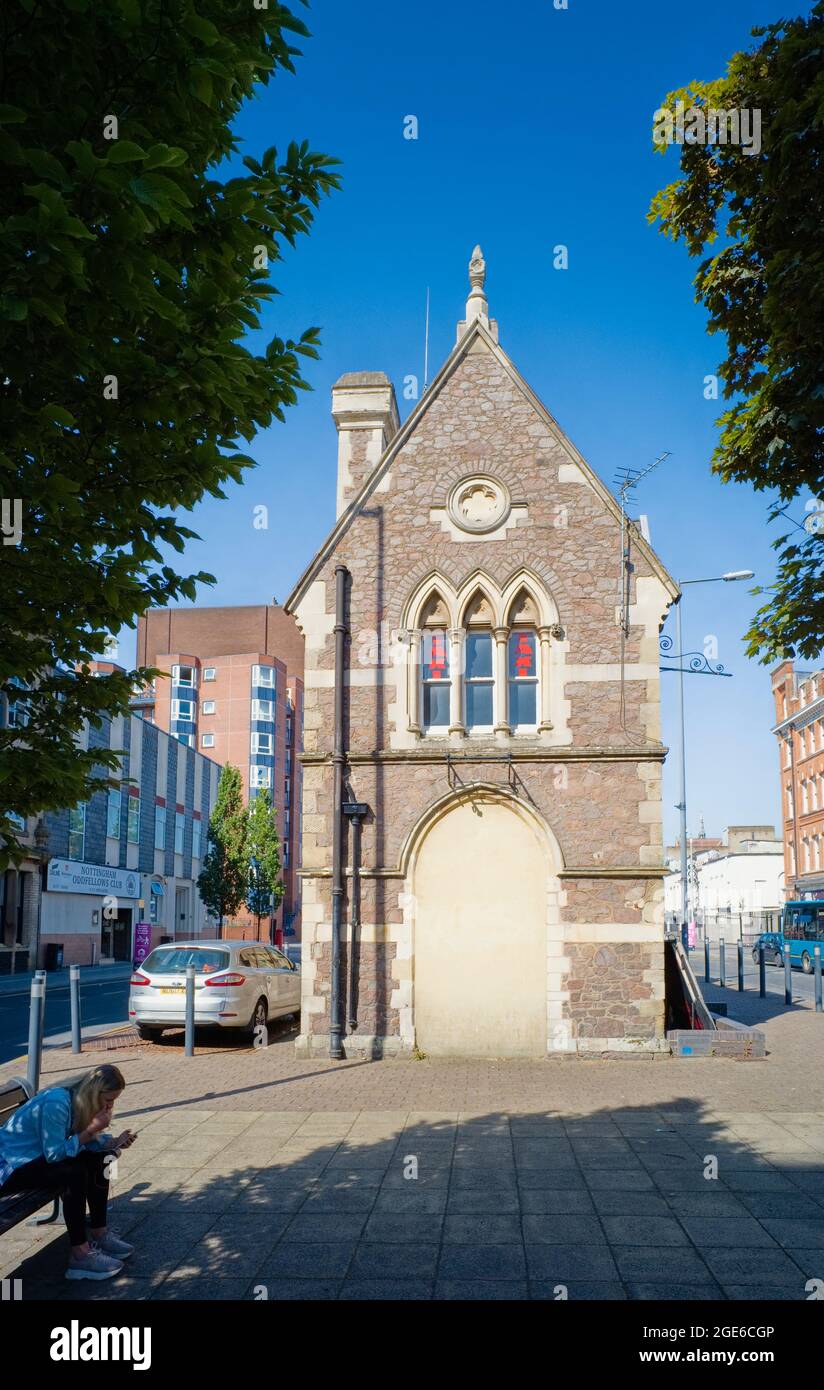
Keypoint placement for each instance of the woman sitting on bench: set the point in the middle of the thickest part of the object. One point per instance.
(56, 1142)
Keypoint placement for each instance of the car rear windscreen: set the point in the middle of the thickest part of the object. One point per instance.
(174, 959)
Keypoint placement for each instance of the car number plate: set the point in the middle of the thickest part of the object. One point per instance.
(172, 989)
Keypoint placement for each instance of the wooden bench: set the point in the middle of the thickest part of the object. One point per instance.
(18, 1205)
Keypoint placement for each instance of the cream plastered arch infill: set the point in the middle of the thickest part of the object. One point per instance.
(558, 1036)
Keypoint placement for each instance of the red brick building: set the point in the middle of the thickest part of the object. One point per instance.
(233, 689)
(799, 728)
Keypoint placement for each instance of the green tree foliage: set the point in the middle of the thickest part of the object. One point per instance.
(265, 885)
(764, 289)
(135, 248)
(224, 877)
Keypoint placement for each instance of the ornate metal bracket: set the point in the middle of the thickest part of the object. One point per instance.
(699, 664)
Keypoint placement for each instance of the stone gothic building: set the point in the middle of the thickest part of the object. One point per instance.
(501, 722)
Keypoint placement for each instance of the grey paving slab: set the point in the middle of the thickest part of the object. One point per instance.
(551, 1202)
(563, 1229)
(661, 1264)
(482, 1262)
(308, 1260)
(805, 1231)
(751, 1265)
(386, 1290)
(576, 1291)
(676, 1293)
(484, 1291)
(413, 1227)
(562, 1263)
(739, 1231)
(384, 1260)
(310, 1226)
(640, 1229)
(479, 1228)
(479, 1200)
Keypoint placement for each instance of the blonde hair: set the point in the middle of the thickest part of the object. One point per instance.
(87, 1093)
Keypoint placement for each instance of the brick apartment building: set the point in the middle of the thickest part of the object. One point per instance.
(799, 711)
(233, 689)
(127, 856)
(501, 723)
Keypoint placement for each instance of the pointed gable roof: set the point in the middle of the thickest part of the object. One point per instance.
(476, 333)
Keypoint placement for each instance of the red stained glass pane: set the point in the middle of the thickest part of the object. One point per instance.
(522, 664)
(435, 656)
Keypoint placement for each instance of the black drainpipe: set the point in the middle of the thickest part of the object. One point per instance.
(338, 760)
(355, 922)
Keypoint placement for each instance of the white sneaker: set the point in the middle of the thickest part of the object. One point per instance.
(95, 1265)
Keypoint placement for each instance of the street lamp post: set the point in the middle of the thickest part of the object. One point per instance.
(730, 577)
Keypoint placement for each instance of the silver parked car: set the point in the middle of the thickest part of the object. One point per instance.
(238, 984)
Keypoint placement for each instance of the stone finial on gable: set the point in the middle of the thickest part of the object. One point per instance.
(476, 305)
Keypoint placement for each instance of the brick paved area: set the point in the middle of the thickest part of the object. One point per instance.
(260, 1175)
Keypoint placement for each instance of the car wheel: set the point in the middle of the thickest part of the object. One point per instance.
(756, 957)
(260, 1016)
(806, 963)
(779, 960)
(148, 1034)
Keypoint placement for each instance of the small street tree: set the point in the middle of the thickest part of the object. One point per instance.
(223, 879)
(265, 885)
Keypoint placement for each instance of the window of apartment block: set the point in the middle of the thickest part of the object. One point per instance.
(264, 675)
(180, 822)
(207, 741)
(813, 793)
(188, 739)
(263, 709)
(288, 760)
(133, 821)
(804, 799)
(209, 673)
(183, 709)
(113, 814)
(196, 839)
(287, 783)
(286, 854)
(262, 743)
(260, 777)
(160, 827)
(77, 832)
(184, 675)
(806, 844)
(207, 707)
(789, 791)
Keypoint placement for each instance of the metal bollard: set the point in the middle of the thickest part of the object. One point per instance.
(819, 1005)
(788, 977)
(37, 1004)
(722, 963)
(189, 1049)
(707, 960)
(74, 1000)
(762, 972)
(740, 965)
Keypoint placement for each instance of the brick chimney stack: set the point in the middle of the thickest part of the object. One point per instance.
(366, 417)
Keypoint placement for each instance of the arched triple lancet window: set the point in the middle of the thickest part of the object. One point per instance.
(480, 659)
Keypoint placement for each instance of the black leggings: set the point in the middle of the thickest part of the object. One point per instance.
(80, 1181)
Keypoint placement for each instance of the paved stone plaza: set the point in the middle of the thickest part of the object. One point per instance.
(257, 1170)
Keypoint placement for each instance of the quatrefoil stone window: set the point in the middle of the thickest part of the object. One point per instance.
(479, 504)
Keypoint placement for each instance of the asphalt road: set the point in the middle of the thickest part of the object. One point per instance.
(101, 1002)
(803, 985)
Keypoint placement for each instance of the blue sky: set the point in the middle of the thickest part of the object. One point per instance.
(530, 134)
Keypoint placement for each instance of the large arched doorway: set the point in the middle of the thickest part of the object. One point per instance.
(480, 956)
